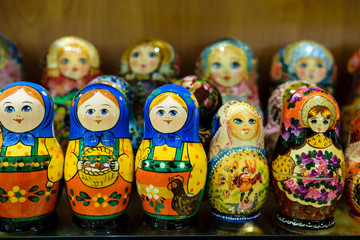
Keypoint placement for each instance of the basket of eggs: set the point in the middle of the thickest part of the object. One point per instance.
(96, 171)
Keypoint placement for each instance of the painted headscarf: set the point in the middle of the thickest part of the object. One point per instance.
(121, 128)
(11, 63)
(190, 131)
(169, 64)
(294, 129)
(222, 137)
(284, 62)
(46, 127)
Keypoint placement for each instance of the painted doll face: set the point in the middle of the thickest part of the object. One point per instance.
(227, 68)
(98, 113)
(168, 116)
(311, 69)
(74, 64)
(144, 59)
(20, 112)
(318, 123)
(244, 126)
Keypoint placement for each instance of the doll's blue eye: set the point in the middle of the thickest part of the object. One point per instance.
(65, 61)
(216, 65)
(26, 109)
(90, 111)
(238, 121)
(319, 65)
(173, 113)
(83, 61)
(152, 55)
(313, 121)
(160, 112)
(235, 65)
(9, 109)
(136, 55)
(303, 65)
(104, 111)
(325, 122)
(252, 121)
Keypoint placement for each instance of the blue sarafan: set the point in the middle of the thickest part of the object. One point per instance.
(308, 164)
(171, 162)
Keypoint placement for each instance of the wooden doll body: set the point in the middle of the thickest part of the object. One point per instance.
(31, 160)
(308, 164)
(99, 162)
(70, 64)
(209, 99)
(238, 180)
(171, 162)
(11, 63)
(304, 60)
(147, 64)
(351, 192)
(229, 64)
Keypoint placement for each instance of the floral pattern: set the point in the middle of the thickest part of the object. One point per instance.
(18, 195)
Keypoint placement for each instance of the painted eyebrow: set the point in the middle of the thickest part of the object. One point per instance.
(105, 104)
(174, 107)
(88, 105)
(160, 107)
(7, 103)
(27, 102)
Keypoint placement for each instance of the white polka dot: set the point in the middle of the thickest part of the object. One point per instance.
(182, 165)
(162, 165)
(44, 93)
(147, 164)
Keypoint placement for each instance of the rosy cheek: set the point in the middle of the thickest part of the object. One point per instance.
(84, 69)
(216, 75)
(321, 73)
(238, 76)
(302, 73)
(134, 63)
(153, 63)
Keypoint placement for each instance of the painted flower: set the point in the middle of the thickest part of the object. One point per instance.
(152, 192)
(313, 193)
(323, 195)
(332, 195)
(208, 87)
(208, 103)
(307, 181)
(287, 123)
(16, 195)
(306, 159)
(301, 190)
(190, 78)
(285, 135)
(333, 161)
(295, 98)
(100, 200)
(290, 184)
(296, 130)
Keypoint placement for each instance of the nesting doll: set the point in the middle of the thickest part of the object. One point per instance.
(229, 64)
(171, 163)
(146, 65)
(275, 106)
(136, 131)
(99, 162)
(70, 64)
(352, 189)
(304, 60)
(352, 98)
(209, 100)
(308, 166)
(238, 179)
(32, 161)
(11, 63)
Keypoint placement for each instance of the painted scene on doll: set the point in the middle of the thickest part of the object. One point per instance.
(99, 159)
(148, 64)
(238, 179)
(275, 107)
(31, 160)
(304, 60)
(352, 188)
(11, 63)
(229, 64)
(70, 64)
(308, 166)
(209, 99)
(171, 163)
(136, 131)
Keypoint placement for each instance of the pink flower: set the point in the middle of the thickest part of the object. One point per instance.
(208, 87)
(290, 184)
(332, 195)
(321, 167)
(287, 123)
(190, 78)
(306, 181)
(208, 103)
(312, 193)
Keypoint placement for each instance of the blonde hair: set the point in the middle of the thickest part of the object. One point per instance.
(161, 97)
(324, 111)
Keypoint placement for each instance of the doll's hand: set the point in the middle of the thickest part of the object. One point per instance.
(129, 76)
(80, 165)
(49, 184)
(114, 165)
(299, 169)
(144, 155)
(158, 77)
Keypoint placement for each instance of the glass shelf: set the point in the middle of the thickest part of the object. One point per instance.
(265, 227)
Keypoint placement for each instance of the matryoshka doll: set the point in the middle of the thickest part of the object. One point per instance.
(308, 164)
(31, 160)
(275, 106)
(238, 180)
(148, 64)
(304, 60)
(70, 64)
(209, 100)
(136, 131)
(171, 163)
(352, 154)
(229, 64)
(99, 162)
(11, 63)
